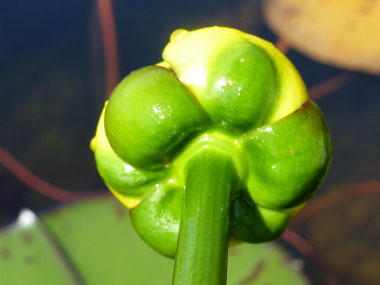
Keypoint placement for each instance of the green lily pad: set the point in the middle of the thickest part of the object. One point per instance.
(93, 242)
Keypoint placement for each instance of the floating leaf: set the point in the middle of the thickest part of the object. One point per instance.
(337, 32)
(93, 242)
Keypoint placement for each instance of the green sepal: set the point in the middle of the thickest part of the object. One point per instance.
(115, 172)
(122, 177)
(288, 159)
(254, 224)
(150, 113)
(240, 87)
(156, 219)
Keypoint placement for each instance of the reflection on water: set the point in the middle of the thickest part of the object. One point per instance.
(52, 90)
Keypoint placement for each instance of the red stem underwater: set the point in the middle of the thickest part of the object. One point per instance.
(307, 250)
(331, 198)
(282, 45)
(298, 242)
(107, 23)
(111, 60)
(327, 87)
(39, 185)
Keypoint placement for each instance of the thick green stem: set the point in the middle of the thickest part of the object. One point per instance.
(201, 256)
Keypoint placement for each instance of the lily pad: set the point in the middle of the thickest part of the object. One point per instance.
(337, 32)
(93, 242)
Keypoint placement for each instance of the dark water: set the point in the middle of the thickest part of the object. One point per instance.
(52, 90)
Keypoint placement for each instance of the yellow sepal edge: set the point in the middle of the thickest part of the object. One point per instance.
(192, 71)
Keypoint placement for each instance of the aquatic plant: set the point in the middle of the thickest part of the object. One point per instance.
(219, 142)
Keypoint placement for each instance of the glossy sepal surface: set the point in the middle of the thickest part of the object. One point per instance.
(221, 89)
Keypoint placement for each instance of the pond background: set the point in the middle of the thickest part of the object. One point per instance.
(52, 90)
